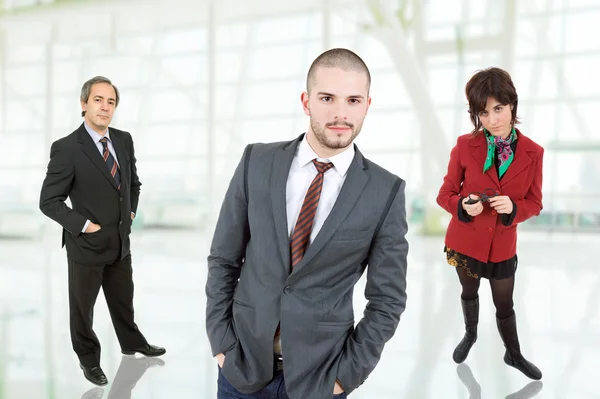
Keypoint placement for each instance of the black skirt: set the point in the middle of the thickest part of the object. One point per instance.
(478, 269)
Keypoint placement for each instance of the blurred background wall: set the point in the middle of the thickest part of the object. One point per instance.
(209, 77)
(200, 79)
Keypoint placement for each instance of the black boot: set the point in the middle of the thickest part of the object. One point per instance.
(513, 357)
(471, 314)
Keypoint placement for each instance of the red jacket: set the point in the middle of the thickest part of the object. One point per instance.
(485, 237)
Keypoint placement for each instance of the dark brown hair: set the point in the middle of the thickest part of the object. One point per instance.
(337, 58)
(486, 83)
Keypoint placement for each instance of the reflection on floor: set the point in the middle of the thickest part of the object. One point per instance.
(557, 299)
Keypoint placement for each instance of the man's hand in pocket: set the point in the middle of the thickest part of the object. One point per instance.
(92, 228)
(220, 359)
(337, 389)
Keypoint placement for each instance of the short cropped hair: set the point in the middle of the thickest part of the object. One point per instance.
(337, 58)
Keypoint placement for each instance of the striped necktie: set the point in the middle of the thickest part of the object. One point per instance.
(304, 224)
(111, 163)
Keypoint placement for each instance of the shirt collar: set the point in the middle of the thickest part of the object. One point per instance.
(341, 162)
(95, 135)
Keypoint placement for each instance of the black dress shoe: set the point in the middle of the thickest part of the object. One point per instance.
(148, 350)
(95, 375)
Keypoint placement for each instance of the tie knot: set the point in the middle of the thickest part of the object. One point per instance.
(104, 140)
(322, 167)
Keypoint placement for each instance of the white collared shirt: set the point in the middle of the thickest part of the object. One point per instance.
(302, 173)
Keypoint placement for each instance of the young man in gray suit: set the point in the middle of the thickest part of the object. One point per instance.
(300, 223)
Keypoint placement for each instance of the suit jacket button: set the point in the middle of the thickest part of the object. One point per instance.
(121, 222)
(121, 199)
(491, 230)
(287, 289)
(494, 212)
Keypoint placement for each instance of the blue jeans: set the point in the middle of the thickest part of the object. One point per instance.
(274, 390)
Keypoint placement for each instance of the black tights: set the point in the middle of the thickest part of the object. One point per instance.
(502, 292)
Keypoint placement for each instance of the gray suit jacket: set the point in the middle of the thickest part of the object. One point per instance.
(251, 287)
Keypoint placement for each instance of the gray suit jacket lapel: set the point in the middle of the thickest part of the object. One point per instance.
(279, 175)
(353, 186)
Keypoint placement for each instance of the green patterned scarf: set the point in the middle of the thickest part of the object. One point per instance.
(499, 148)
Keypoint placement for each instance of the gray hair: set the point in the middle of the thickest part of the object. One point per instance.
(87, 88)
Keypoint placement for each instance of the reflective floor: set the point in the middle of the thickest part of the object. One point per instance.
(557, 300)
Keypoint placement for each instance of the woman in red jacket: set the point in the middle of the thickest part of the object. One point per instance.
(494, 182)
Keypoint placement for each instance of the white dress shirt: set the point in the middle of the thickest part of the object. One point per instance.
(303, 172)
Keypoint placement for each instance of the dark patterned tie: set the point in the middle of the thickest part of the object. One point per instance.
(111, 163)
(304, 224)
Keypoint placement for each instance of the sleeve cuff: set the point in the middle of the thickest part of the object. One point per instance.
(85, 226)
(508, 219)
(463, 216)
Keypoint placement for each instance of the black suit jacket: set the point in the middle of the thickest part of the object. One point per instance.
(78, 171)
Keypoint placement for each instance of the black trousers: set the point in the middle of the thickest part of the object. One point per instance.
(117, 284)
